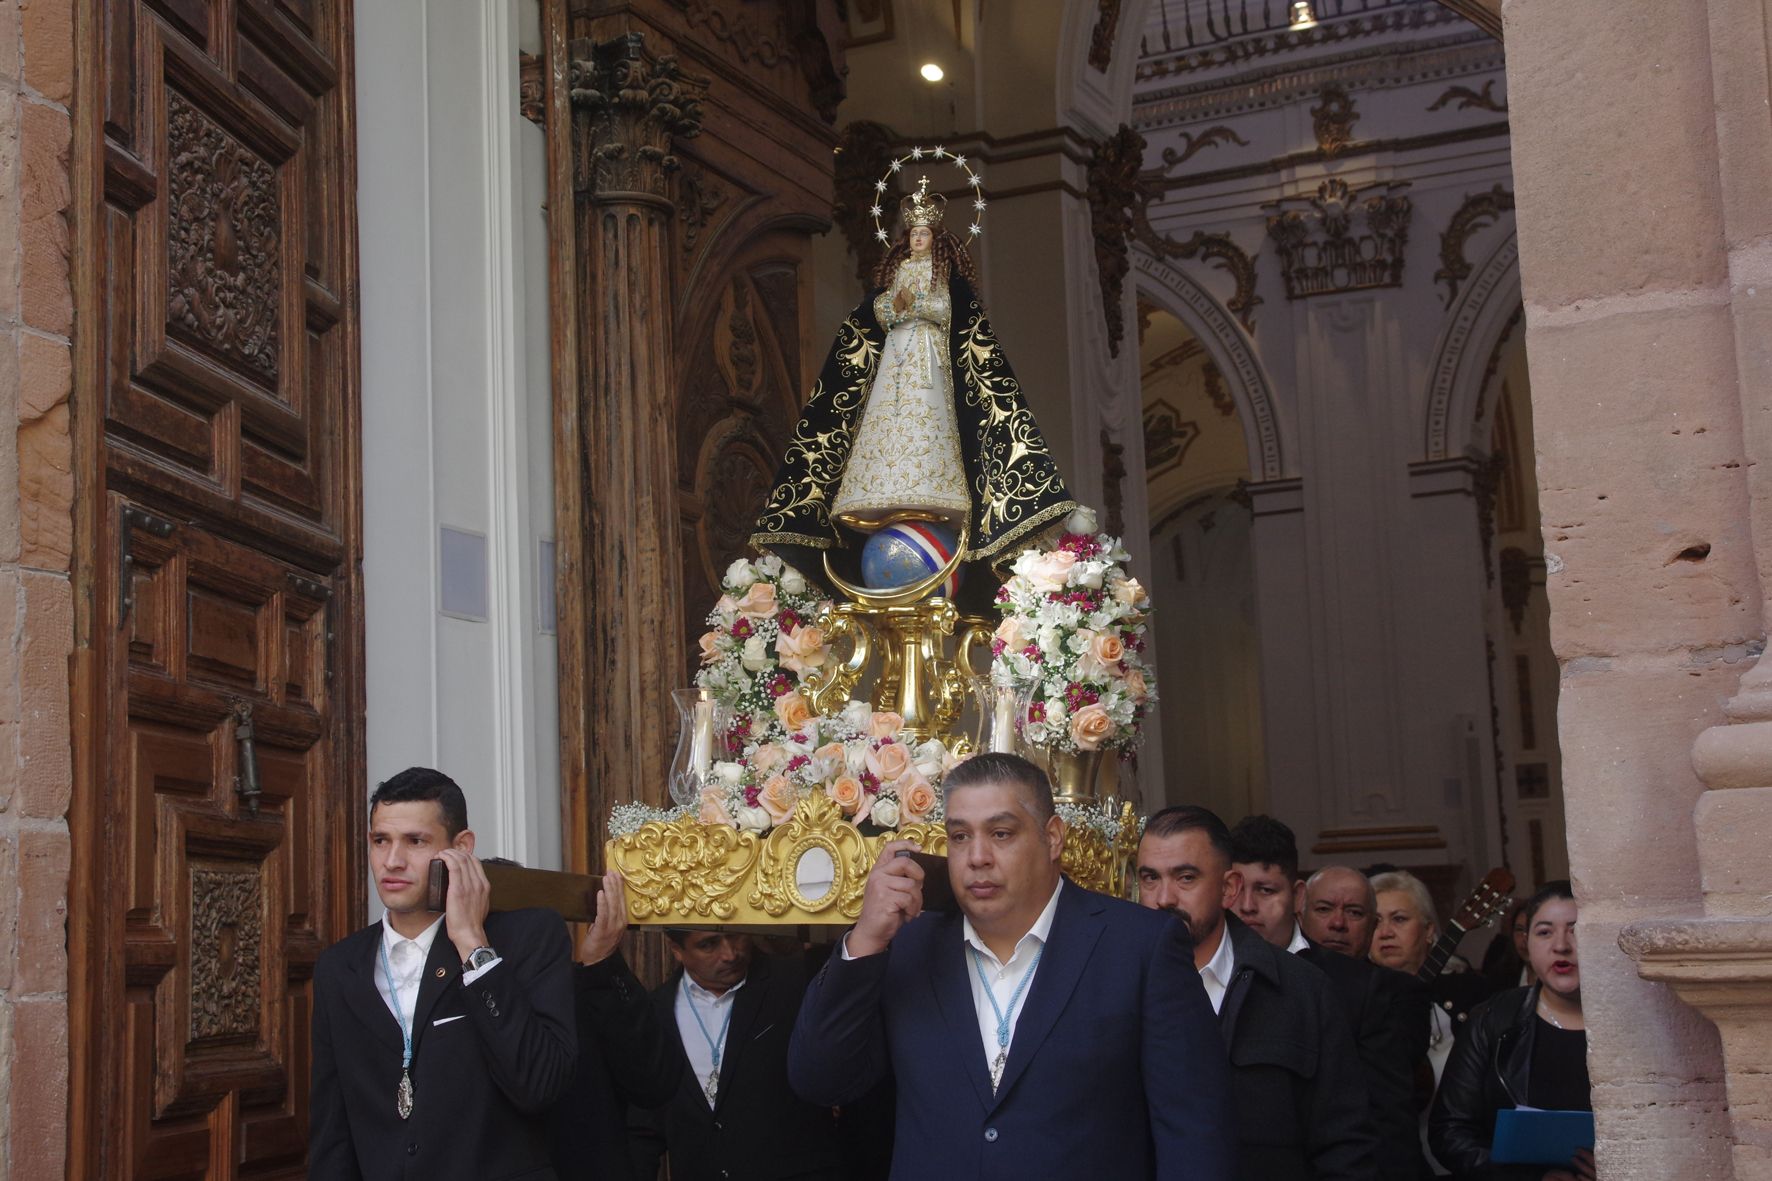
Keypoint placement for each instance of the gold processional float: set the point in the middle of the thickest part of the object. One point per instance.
(924, 587)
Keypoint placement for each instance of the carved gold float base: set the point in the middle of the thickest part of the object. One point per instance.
(688, 874)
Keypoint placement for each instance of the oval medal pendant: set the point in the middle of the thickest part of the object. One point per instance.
(403, 1096)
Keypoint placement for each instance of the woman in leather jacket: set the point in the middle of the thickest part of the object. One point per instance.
(1523, 1047)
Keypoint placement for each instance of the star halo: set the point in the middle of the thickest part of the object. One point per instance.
(918, 154)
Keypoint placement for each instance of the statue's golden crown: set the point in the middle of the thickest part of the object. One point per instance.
(922, 208)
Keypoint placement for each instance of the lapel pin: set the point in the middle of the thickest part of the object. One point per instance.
(442, 972)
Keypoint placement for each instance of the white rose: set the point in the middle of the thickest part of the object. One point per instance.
(751, 819)
(756, 654)
(931, 758)
(792, 581)
(1088, 574)
(885, 812)
(856, 715)
(1035, 732)
(740, 575)
(728, 774)
(1081, 520)
(855, 757)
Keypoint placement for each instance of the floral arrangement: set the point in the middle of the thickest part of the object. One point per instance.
(762, 644)
(1073, 640)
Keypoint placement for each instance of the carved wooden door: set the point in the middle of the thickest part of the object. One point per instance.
(226, 628)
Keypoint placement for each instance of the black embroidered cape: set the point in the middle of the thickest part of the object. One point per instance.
(1016, 488)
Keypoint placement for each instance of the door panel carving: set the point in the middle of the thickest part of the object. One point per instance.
(226, 580)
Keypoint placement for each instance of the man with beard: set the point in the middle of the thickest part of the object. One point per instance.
(1298, 1100)
(1006, 1025)
(1384, 1009)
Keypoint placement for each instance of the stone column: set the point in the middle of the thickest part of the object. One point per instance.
(1720, 962)
(629, 106)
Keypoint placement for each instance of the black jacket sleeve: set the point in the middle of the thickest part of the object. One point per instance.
(521, 1010)
(331, 1154)
(614, 1008)
(1393, 1039)
(1342, 1141)
(838, 1051)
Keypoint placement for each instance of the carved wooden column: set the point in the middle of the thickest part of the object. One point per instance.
(629, 106)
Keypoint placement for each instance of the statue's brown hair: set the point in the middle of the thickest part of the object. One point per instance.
(949, 253)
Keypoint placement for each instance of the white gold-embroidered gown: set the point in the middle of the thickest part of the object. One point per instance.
(906, 463)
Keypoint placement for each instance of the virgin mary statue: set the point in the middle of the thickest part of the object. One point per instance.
(916, 416)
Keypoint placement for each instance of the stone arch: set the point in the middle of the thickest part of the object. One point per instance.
(1482, 317)
(1209, 320)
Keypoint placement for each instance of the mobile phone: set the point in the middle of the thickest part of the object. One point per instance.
(938, 888)
(437, 885)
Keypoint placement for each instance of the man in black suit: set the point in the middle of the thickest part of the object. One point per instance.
(1382, 1007)
(625, 1054)
(435, 1057)
(1299, 1102)
(729, 1013)
(1009, 1025)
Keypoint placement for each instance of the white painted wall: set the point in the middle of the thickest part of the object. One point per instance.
(456, 409)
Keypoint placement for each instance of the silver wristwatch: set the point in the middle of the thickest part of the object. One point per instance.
(478, 958)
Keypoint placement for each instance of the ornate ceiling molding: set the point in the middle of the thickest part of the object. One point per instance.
(1466, 99)
(1479, 211)
(1332, 119)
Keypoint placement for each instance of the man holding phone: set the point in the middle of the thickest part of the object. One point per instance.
(439, 1039)
(1038, 1030)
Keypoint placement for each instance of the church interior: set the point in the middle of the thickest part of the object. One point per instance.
(394, 382)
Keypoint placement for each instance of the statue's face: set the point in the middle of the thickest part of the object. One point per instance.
(922, 238)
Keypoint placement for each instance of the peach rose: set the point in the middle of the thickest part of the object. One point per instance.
(727, 606)
(713, 808)
(916, 799)
(1049, 571)
(1011, 633)
(1090, 726)
(778, 798)
(769, 759)
(1108, 649)
(889, 762)
(710, 651)
(793, 711)
(846, 791)
(1128, 592)
(1135, 686)
(830, 759)
(801, 649)
(759, 601)
(885, 725)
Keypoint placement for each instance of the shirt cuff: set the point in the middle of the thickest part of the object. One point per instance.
(470, 977)
(843, 947)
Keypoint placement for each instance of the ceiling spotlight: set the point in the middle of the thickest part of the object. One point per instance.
(934, 73)
(1302, 16)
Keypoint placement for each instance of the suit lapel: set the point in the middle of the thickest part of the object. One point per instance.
(362, 968)
(747, 1003)
(953, 995)
(442, 972)
(1075, 930)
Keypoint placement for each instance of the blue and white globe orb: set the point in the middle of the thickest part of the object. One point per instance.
(909, 552)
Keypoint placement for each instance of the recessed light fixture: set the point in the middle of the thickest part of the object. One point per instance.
(1302, 16)
(932, 72)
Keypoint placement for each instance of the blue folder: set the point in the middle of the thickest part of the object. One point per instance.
(1527, 1136)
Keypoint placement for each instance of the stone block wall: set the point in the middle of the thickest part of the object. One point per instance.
(36, 598)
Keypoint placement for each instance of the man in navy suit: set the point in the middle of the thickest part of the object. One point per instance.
(439, 1039)
(1042, 1031)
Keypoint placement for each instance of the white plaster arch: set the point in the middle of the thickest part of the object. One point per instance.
(1086, 96)
(1487, 306)
(1230, 347)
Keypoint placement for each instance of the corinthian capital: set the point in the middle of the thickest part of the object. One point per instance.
(628, 109)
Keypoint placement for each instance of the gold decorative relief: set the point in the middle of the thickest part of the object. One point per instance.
(683, 871)
(817, 826)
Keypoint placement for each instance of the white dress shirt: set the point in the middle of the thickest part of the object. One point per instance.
(695, 1001)
(1299, 942)
(406, 959)
(1217, 973)
(1004, 978)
